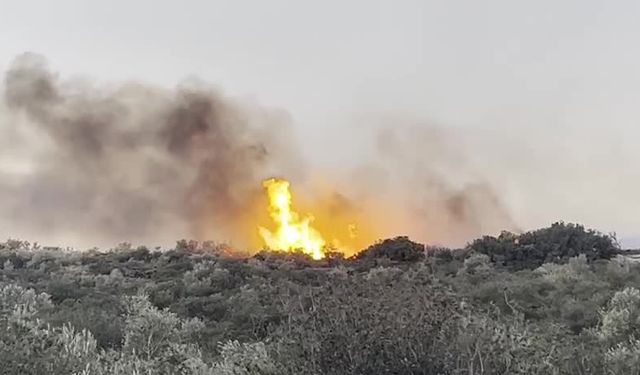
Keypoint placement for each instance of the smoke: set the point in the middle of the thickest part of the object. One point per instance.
(86, 165)
(131, 162)
(423, 178)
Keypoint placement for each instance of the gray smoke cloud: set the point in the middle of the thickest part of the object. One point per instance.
(427, 171)
(86, 165)
(131, 162)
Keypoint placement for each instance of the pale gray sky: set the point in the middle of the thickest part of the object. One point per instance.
(557, 80)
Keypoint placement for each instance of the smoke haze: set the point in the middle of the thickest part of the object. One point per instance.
(130, 162)
(87, 165)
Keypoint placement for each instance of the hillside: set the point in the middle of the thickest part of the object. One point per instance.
(559, 300)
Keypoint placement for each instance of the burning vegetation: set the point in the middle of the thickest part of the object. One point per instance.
(98, 165)
(292, 233)
(295, 232)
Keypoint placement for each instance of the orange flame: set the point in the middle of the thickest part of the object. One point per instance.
(292, 232)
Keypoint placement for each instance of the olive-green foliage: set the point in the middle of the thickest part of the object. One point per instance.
(552, 301)
(384, 321)
(397, 249)
(28, 345)
(555, 244)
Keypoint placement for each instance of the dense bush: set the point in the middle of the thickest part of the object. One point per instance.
(555, 244)
(375, 322)
(552, 301)
(399, 249)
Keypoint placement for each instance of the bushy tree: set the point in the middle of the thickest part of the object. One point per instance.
(382, 322)
(476, 268)
(400, 249)
(555, 244)
(28, 345)
(244, 359)
(619, 332)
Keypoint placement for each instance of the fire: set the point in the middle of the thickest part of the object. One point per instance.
(293, 232)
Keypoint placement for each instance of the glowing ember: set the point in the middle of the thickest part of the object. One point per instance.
(292, 233)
